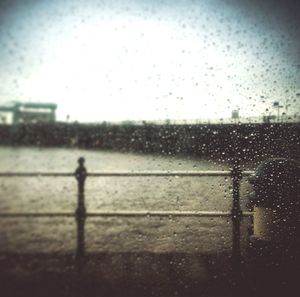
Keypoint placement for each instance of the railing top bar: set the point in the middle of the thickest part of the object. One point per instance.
(248, 172)
(162, 173)
(126, 214)
(124, 173)
(165, 214)
(36, 174)
(36, 214)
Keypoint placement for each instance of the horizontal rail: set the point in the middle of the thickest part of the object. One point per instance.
(125, 174)
(36, 214)
(36, 174)
(127, 214)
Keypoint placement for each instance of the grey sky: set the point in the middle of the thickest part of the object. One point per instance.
(116, 60)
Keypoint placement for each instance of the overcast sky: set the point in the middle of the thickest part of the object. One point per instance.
(146, 60)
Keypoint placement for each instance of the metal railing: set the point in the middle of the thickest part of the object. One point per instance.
(81, 174)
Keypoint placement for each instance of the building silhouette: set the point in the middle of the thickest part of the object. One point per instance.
(28, 112)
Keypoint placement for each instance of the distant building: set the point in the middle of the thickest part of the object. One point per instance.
(17, 112)
(269, 118)
(235, 115)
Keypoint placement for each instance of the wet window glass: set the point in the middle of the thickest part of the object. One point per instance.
(149, 147)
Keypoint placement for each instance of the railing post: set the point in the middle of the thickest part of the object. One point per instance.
(236, 176)
(236, 216)
(80, 213)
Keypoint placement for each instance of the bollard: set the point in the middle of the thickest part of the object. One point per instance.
(276, 200)
(80, 214)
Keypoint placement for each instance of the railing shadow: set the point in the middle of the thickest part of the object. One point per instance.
(117, 274)
(145, 274)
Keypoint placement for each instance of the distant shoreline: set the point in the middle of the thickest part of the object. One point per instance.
(222, 142)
